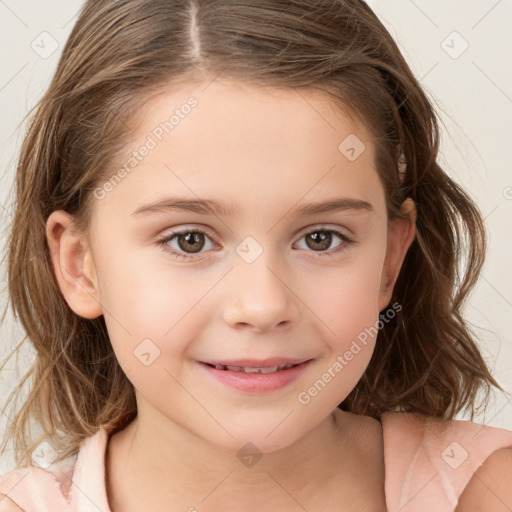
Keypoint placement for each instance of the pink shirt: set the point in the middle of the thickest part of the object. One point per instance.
(428, 463)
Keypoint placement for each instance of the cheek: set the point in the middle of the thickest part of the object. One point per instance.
(141, 302)
(349, 314)
(349, 302)
(144, 295)
(154, 310)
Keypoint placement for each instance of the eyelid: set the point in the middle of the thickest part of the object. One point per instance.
(191, 227)
(301, 232)
(347, 240)
(320, 227)
(180, 255)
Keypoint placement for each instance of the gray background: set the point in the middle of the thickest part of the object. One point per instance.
(471, 88)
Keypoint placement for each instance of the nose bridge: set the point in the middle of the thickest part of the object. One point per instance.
(260, 295)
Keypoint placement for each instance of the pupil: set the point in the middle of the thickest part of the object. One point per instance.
(191, 240)
(322, 237)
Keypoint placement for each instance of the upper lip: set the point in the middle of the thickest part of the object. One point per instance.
(257, 363)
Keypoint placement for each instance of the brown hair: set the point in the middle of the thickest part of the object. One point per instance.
(119, 54)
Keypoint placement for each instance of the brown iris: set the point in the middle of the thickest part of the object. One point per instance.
(324, 238)
(192, 242)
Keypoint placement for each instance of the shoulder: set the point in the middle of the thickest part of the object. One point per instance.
(29, 488)
(490, 487)
(13, 486)
(7, 505)
(64, 485)
(444, 461)
(404, 425)
(451, 443)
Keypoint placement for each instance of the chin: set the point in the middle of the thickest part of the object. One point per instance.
(262, 439)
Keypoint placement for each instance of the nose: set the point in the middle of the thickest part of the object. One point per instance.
(260, 298)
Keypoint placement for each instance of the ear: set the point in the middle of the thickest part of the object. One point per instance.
(401, 233)
(73, 265)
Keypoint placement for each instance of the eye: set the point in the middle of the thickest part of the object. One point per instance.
(320, 239)
(186, 240)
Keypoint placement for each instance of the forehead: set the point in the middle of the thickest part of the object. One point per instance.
(247, 109)
(239, 112)
(237, 143)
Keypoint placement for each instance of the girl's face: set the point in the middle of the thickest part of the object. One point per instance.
(264, 277)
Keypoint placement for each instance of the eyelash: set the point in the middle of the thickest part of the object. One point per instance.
(343, 247)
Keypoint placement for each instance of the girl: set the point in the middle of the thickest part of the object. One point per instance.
(238, 261)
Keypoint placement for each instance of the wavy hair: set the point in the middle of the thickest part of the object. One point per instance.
(122, 52)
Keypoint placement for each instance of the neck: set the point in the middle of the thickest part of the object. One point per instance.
(157, 463)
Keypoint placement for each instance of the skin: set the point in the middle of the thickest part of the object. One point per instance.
(267, 152)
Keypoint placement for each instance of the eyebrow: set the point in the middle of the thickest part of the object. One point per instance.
(211, 207)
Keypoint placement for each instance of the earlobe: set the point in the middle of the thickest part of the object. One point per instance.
(401, 233)
(73, 265)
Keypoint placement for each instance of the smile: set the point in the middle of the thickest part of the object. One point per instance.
(253, 379)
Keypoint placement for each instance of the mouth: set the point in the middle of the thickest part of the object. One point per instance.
(252, 366)
(256, 379)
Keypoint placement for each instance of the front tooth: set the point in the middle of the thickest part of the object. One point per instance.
(234, 368)
(268, 370)
(251, 370)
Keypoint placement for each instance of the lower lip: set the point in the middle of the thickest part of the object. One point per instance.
(257, 382)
